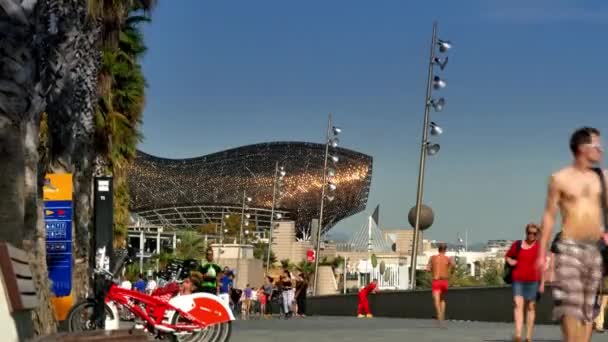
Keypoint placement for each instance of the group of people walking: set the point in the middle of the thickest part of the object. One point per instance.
(574, 261)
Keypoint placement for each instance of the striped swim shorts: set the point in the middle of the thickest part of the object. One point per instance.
(578, 273)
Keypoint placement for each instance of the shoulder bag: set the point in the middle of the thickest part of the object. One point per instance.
(508, 271)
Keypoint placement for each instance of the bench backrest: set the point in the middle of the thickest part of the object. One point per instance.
(18, 278)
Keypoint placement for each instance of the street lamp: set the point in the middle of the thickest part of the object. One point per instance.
(277, 193)
(328, 184)
(434, 82)
(244, 222)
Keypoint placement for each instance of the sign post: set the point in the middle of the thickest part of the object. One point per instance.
(104, 219)
(57, 194)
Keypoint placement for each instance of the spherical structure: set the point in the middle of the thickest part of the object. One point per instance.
(426, 217)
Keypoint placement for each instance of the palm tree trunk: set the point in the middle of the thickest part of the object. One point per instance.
(35, 241)
(83, 218)
(21, 102)
(71, 127)
(12, 166)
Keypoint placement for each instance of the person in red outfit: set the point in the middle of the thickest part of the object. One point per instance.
(527, 280)
(440, 266)
(363, 301)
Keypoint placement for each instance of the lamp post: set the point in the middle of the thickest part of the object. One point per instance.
(222, 232)
(327, 183)
(437, 83)
(244, 222)
(277, 184)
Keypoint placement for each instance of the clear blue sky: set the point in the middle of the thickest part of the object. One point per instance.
(521, 77)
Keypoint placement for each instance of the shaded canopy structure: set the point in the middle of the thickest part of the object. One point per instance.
(194, 191)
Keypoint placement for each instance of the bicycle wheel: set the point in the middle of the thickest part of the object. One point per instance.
(225, 330)
(213, 333)
(193, 337)
(79, 318)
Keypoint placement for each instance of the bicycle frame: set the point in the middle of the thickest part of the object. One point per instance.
(201, 309)
(155, 309)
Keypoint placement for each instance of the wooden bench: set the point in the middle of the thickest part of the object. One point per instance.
(18, 278)
(18, 292)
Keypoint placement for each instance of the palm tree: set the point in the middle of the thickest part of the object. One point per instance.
(39, 50)
(107, 82)
(308, 268)
(191, 246)
(120, 108)
(70, 124)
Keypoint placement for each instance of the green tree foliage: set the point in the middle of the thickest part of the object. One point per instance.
(191, 246)
(423, 279)
(232, 227)
(122, 95)
(260, 251)
(208, 228)
(492, 272)
(306, 267)
(491, 275)
(163, 259)
(286, 264)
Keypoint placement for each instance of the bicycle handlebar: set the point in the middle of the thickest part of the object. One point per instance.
(119, 263)
(114, 274)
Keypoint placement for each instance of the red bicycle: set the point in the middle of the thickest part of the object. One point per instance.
(189, 318)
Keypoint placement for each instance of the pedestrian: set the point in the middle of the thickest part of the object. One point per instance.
(211, 272)
(262, 300)
(440, 266)
(526, 280)
(268, 289)
(187, 287)
(288, 293)
(151, 284)
(363, 308)
(575, 191)
(140, 284)
(301, 289)
(226, 284)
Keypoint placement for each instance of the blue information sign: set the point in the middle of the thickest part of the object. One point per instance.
(58, 224)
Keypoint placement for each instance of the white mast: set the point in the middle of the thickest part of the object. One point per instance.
(369, 239)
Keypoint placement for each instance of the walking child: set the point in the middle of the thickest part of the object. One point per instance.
(363, 309)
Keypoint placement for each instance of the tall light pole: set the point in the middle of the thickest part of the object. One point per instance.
(279, 174)
(433, 82)
(222, 232)
(328, 173)
(244, 222)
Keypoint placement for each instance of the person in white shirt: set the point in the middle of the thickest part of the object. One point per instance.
(151, 286)
(126, 284)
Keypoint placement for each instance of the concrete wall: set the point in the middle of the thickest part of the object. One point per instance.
(285, 245)
(403, 239)
(327, 282)
(489, 304)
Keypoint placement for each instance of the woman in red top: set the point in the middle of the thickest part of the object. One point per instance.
(526, 280)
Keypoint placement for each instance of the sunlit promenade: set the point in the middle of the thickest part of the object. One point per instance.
(321, 329)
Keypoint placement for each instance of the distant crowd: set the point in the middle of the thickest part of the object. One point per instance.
(283, 295)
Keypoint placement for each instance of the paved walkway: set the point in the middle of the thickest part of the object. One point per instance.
(322, 329)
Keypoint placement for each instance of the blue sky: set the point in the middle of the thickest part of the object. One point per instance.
(522, 75)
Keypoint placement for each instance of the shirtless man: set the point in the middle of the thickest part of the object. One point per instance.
(440, 266)
(575, 190)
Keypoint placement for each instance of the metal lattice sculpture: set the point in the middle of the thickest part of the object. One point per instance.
(194, 191)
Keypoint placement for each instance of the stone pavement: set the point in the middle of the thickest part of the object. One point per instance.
(322, 329)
